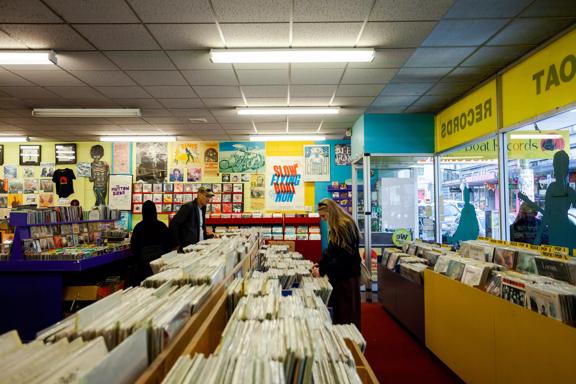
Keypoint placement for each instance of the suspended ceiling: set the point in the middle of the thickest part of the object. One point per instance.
(153, 55)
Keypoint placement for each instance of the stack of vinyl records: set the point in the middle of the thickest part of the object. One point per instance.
(320, 286)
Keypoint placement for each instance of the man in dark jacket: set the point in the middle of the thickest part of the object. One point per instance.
(189, 224)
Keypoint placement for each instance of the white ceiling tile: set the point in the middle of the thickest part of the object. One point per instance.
(359, 90)
(394, 10)
(26, 11)
(193, 60)
(27, 92)
(265, 91)
(173, 11)
(118, 36)
(238, 127)
(191, 113)
(312, 90)
(223, 102)
(139, 103)
(211, 77)
(267, 101)
(256, 35)
(260, 66)
(48, 103)
(154, 112)
(7, 78)
(6, 42)
(126, 121)
(157, 77)
(140, 60)
(331, 10)
(386, 58)
(58, 37)
(101, 11)
(165, 120)
(96, 103)
(167, 92)
(315, 76)
(352, 101)
(263, 77)
(368, 76)
(186, 36)
(124, 92)
(395, 34)
(76, 92)
(217, 91)
(181, 103)
(84, 61)
(325, 34)
(250, 11)
(104, 78)
(309, 101)
(50, 78)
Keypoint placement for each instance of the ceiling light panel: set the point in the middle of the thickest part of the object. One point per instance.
(327, 55)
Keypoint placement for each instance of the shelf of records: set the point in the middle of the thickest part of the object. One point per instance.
(288, 233)
(541, 279)
(115, 339)
(168, 197)
(342, 194)
(61, 215)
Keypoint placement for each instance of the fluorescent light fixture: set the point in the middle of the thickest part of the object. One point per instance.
(27, 58)
(311, 55)
(289, 111)
(86, 112)
(139, 139)
(13, 139)
(520, 136)
(287, 138)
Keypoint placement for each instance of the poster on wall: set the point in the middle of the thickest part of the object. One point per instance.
(151, 162)
(210, 158)
(317, 162)
(242, 157)
(10, 172)
(47, 169)
(65, 153)
(284, 185)
(46, 200)
(186, 153)
(83, 169)
(121, 158)
(193, 173)
(120, 192)
(30, 154)
(257, 191)
(342, 154)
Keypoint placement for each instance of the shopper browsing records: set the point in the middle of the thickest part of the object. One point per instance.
(189, 224)
(341, 263)
(150, 240)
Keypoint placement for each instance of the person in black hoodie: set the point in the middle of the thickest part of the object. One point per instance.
(341, 263)
(189, 224)
(150, 240)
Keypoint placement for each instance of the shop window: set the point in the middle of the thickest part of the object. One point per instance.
(469, 193)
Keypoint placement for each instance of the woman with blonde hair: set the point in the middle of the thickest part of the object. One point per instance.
(341, 263)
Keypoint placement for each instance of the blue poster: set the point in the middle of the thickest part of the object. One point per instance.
(242, 157)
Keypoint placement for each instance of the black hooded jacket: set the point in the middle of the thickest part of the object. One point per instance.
(150, 240)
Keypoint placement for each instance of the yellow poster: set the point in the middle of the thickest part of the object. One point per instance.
(210, 159)
(521, 145)
(470, 118)
(186, 153)
(542, 83)
(257, 191)
(15, 200)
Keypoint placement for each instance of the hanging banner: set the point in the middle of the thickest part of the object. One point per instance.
(242, 157)
(317, 162)
(470, 118)
(342, 154)
(121, 158)
(120, 192)
(210, 159)
(284, 184)
(543, 82)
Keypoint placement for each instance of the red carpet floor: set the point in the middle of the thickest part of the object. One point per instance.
(395, 356)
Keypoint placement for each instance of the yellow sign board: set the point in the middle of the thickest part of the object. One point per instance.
(523, 148)
(542, 83)
(470, 118)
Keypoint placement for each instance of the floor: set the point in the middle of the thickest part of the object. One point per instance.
(394, 355)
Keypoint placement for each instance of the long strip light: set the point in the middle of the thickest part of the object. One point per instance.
(287, 138)
(289, 111)
(27, 58)
(520, 136)
(86, 112)
(139, 139)
(326, 55)
(13, 139)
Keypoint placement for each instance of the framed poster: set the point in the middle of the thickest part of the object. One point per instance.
(1, 154)
(121, 158)
(317, 162)
(65, 153)
(30, 154)
(342, 154)
(120, 192)
(284, 187)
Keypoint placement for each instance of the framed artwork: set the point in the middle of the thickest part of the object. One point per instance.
(65, 153)
(30, 154)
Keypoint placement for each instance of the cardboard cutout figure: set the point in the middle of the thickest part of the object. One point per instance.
(99, 175)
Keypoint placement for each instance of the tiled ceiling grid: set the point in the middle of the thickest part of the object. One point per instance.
(153, 55)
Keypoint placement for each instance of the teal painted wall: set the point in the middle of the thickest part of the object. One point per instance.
(398, 133)
(358, 138)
